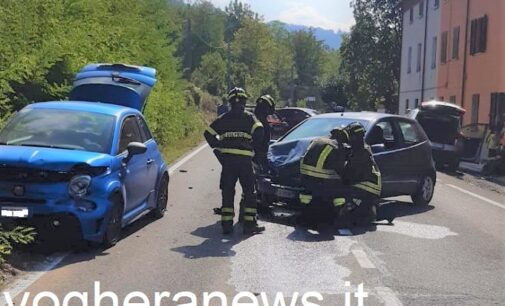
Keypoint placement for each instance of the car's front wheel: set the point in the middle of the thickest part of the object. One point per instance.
(162, 198)
(113, 230)
(425, 191)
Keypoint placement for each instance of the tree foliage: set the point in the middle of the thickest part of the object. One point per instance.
(371, 55)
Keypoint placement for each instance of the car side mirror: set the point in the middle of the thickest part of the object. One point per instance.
(134, 148)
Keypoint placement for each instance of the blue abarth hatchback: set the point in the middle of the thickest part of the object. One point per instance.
(87, 167)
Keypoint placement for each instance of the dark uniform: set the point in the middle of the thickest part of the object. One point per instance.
(321, 169)
(265, 106)
(363, 177)
(235, 136)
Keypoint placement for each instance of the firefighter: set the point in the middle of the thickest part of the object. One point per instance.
(363, 178)
(321, 169)
(265, 106)
(235, 136)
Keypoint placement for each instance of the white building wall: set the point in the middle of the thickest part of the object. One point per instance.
(411, 84)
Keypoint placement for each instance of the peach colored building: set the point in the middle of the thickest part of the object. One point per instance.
(471, 70)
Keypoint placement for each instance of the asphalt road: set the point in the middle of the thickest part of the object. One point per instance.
(450, 253)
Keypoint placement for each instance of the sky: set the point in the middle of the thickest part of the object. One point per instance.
(327, 14)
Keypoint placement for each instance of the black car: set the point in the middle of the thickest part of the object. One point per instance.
(442, 123)
(399, 144)
(290, 117)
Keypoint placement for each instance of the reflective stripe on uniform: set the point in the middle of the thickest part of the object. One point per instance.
(211, 130)
(250, 210)
(226, 218)
(248, 218)
(305, 198)
(323, 156)
(367, 189)
(372, 185)
(227, 210)
(236, 151)
(320, 175)
(235, 135)
(357, 202)
(338, 201)
(256, 125)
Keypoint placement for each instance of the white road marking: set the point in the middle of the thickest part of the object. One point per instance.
(186, 158)
(26, 280)
(20, 285)
(418, 230)
(388, 296)
(363, 259)
(502, 206)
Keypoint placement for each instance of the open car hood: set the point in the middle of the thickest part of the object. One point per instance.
(119, 84)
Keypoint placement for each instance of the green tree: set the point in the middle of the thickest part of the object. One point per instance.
(371, 55)
(308, 57)
(211, 74)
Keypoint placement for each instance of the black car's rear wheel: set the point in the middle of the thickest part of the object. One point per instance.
(113, 231)
(425, 191)
(162, 198)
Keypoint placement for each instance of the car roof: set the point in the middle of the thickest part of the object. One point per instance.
(94, 107)
(307, 110)
(368, 116)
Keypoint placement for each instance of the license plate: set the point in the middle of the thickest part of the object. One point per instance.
(15, 212)
(284, 193)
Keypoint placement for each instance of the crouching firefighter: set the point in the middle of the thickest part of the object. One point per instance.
(235, 137)
(321, 169)
(362, 178)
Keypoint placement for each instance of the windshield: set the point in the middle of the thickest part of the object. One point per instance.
(61, 129)
(318, 127)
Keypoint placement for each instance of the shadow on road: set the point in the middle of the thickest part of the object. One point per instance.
(31, 258)
(215, 245)
(387, 210)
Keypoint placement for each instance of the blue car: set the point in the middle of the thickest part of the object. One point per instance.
(86, 167)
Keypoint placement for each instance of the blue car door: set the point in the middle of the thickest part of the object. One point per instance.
(153, 162)
(136, 173)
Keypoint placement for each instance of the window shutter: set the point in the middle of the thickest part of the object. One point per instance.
(473, 38)
(443, 48)
(483, 34)
(455, 43)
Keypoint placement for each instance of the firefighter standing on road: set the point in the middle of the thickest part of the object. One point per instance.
(235, 136)
(364, 178)
(265, 106)
(322, 168)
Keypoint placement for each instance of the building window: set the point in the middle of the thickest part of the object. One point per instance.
(434, 48)
(416, 104)
(409, 64)
(475, 108)
(436, 4)
(455, 42)
(478, 36)
(443, 48)
(407, 104)
(441, 98)
(419, 55)
(452, 99)
(411, 12)
(421, 9)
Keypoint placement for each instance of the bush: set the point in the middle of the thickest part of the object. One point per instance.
(9, 238)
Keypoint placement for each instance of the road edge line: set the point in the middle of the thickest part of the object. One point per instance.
(27, 279)
(478, 196)
(186, 158)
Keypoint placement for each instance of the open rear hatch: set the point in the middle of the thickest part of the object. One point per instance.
(120, 84)
(441, 121)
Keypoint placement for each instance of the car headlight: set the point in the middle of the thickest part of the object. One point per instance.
(78, 186)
